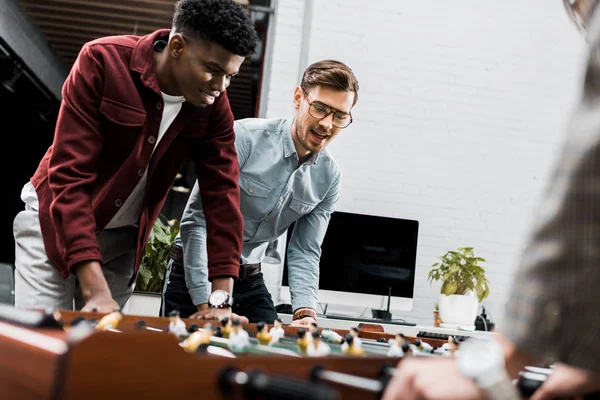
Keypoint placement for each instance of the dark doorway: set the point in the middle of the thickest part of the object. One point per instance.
(29, 113)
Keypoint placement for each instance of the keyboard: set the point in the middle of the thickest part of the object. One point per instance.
(370, 320)
(441, 336)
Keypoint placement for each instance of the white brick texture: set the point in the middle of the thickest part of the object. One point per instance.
(461, 110)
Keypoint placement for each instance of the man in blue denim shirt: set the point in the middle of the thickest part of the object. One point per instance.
(286, 177)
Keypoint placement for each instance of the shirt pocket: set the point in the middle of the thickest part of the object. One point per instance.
(254, 198)
(301, 207)
(122, 114)
(295, 210)
(121, 126)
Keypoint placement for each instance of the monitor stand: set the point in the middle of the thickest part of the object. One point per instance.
(370, 320)
(379, 316)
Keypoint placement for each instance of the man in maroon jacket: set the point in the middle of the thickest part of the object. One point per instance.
(133, 109)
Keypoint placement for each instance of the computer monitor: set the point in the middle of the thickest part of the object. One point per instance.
(364, 258)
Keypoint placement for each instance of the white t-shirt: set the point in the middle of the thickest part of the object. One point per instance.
(129, 213)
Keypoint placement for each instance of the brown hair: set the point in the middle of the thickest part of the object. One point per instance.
(330, 73)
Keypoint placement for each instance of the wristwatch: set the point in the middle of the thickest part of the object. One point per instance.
(220, 299)
(482, 361)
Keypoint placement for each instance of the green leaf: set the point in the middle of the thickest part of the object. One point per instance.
(156, 253)
(460, 271)
(448, 288)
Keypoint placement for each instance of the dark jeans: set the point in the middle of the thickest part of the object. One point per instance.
(251, 298)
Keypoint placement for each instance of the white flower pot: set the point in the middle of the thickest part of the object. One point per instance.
(458, 309)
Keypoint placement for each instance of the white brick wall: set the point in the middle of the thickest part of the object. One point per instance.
(285, 67)
(460, 112)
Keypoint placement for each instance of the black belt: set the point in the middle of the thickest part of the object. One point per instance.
(246, 270)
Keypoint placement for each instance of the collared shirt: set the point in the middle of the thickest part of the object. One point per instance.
(553, 307)
(104, 143)
(276, 191)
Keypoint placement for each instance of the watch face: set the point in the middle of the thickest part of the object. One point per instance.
(479, 357)
(218, 297)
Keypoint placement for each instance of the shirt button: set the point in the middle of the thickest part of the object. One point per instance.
(281, 199)
(118, 202)
(287, 154)
(152, 140)
(158, 106)
(251, 190)
(141, 172)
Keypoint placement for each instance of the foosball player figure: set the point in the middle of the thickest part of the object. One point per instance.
(406, 349)
(238, 338)
(450, 346)
(276, 331)
(395, 349)
(262, 335)
(109, 321)
(352, 348)
(318, 348)
(226, 327)
(176, 325)
(193, 328)
(195, 339)
(422, 346)
(77, 320)
(218, 331)
(313, 329)
(354, 333)
(302, 342)
(332, 336)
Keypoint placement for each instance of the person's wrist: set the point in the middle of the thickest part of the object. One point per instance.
(515, 359)
(483, 362)
(202, 307)
(303, 313)
(92, 281)
(222, 283)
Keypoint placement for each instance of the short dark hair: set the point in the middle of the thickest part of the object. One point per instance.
(223, 22)
(331, 73)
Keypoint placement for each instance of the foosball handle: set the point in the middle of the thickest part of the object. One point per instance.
(29, 318)
(529, 382)
(261, 385)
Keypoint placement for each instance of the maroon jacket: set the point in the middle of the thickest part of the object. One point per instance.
(106, 130)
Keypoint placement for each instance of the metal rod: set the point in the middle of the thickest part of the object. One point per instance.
(358, 382)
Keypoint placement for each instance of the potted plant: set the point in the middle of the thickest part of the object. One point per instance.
(156, 255)
(464, 286)
(436, 315)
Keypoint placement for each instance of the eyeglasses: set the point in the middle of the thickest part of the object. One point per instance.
(320, 110)
(574, 10)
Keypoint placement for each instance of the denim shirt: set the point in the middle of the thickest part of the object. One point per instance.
(275, 192)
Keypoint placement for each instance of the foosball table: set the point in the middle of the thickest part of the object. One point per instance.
(75, 355)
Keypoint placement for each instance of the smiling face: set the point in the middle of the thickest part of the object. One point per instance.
(310, 134)
(199, 70)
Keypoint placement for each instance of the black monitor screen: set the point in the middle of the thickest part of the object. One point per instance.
(367, 254)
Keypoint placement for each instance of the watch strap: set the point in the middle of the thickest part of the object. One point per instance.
(304, 312)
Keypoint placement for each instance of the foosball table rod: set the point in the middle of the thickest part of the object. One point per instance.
(256, 384)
